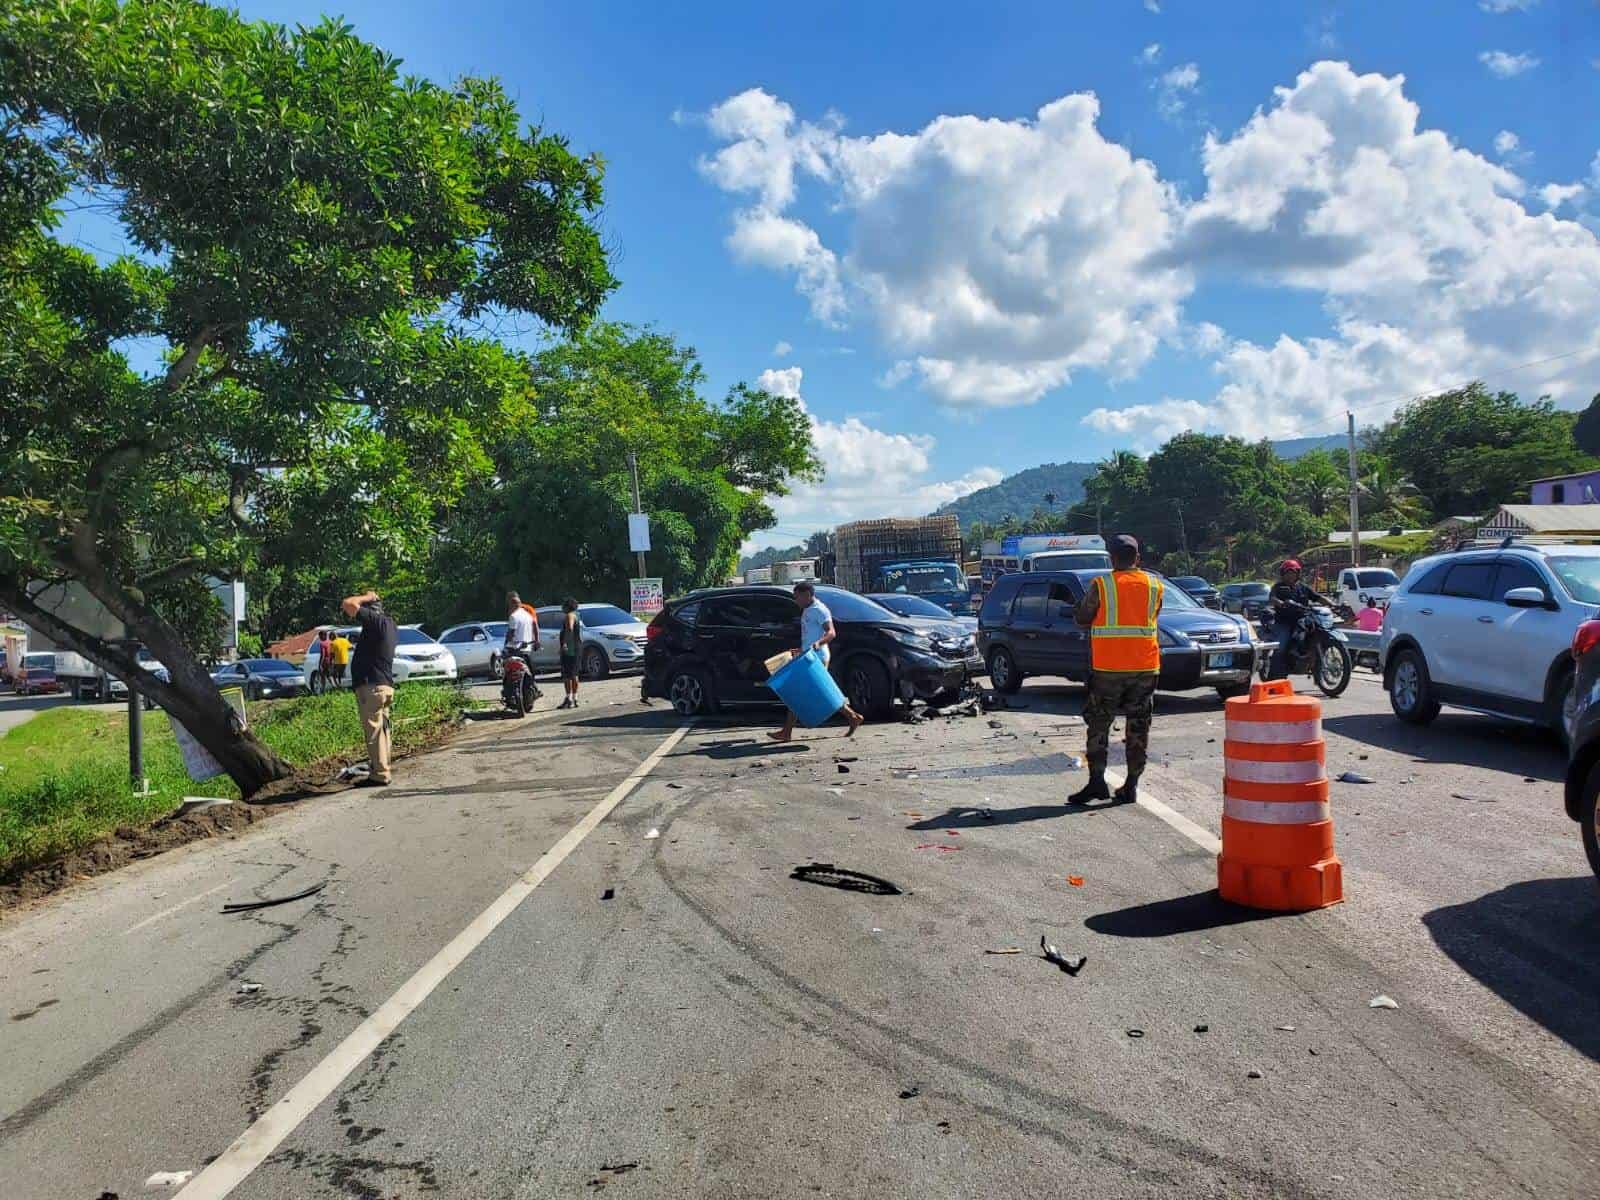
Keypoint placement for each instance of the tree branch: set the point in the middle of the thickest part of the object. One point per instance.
(170, 573)
(180, 371)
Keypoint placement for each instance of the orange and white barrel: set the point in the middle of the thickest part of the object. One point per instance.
(1277, 829)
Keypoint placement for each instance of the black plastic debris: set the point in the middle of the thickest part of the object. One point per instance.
(247, 905)
(911, 1093)
(1202, 1029)
(608, 894)
(845, 880)
(1071, 964)
(1135, 1033)
(843, 770)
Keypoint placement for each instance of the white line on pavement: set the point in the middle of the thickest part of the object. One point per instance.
(252, 1146)
(167, 912)
(1197, 834)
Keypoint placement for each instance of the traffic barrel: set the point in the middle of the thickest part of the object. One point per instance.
(1277, 830)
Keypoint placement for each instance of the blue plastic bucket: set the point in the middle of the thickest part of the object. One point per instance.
(806, 687)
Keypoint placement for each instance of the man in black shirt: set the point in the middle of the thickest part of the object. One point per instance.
(1289, 601)
(372, 676)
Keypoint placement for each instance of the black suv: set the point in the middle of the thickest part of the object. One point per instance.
(1583, 766)
(709, 649)
(1026, 627)
(1199, 589)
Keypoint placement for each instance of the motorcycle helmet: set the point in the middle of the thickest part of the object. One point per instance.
(1290, 564)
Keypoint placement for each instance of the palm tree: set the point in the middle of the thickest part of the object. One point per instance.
(1387, 491)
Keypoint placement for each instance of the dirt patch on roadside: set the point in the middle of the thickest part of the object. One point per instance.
(23, 885)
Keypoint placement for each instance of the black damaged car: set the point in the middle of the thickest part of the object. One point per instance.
(708, 650)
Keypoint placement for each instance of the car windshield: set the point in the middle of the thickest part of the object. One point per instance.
(847, 606)
(271, 666)
(604, 614)
(1579, 575)
(1078, 560)
(40, 660)
(924, 579)
(1376, 579)
(1254, 589)
(912, 606)
(411, 637)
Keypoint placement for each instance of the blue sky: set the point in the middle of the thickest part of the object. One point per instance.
(974, 297)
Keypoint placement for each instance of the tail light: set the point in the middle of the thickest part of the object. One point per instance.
(655, 629)
(1586, 638)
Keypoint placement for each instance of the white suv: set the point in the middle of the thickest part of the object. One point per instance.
(1491, 630)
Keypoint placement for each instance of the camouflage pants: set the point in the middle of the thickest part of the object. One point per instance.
(1113, 695)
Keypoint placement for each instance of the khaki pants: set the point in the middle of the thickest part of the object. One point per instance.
(373, 700)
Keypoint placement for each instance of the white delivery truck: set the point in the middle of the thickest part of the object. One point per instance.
(794, 572)
(1043, 552)
(758, 575)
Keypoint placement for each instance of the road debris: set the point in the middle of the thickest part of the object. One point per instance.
(845, 880)
(249, 989)
(1285, 1028)
(166, 1181)
(653, 834)
(843, 770)
(1202, 1029)
(247, 905)
(608, 894)
(358, 770)
(1253, 1075)
(1075, 880)
(1070, 964)
(937, 846)
(1005, 950)
(1135, 1033)
(1382, 1002)
(1474, 799)
(1355, 777)
(910, 1093)
(675, 785)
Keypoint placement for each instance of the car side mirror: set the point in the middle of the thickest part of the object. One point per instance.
(1528, 597)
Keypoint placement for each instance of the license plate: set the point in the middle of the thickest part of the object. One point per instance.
(1219, 661)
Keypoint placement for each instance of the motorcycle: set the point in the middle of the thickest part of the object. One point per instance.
(517, 688)
(1319, 648)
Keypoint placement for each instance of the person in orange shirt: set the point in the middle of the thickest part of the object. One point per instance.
(1120, 610)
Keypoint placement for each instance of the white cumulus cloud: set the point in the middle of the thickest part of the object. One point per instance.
(782, 350)
(1151, 53)
(1554, 195)
(1505, 6)
(1173, 88)
(1505, 66)
(869, 472)
(1506, 142)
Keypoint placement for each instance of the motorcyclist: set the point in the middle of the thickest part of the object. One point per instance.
(1290, 600)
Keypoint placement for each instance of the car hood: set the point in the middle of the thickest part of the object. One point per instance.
(934, 627)
(632, 629)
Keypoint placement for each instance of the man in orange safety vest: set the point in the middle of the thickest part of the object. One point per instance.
(1120, 610)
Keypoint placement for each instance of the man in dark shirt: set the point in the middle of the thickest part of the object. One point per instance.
(1290, 600)
(372, 676)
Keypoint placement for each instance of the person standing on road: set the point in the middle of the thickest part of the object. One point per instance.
(323, 649)
(571, 641)
(341, 658)
(1120, 610)
(372, 674)
(816, 631)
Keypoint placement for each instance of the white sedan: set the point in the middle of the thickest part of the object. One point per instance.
(417, 658)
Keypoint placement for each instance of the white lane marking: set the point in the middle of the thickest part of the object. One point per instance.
(167, 912)
(1197, 834)
(252, 1146)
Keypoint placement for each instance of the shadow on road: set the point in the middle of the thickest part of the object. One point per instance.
(1533, 944)
(750, 748)
(975, 818)
(1067, 699)
(1181, 914)
(1464, 739)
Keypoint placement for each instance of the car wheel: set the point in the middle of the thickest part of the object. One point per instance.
(866, 687)
(1589, 818)
(497, 669)
(1003, 672)
(1410, 690)
(689, 693)
(594, 664)
(1564, 706)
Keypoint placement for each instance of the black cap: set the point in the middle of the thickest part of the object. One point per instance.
(1126, 543)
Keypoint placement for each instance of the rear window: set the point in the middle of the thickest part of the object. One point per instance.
(1255, 589)
(1469, 580)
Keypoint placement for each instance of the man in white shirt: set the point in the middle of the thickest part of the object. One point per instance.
(522, 631)
(816, 631)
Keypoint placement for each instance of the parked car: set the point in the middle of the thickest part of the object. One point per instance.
(709, 649)
(906, 605)
(1356, 586)
(947, 631)
(417, 657)
(37, 681)
(613, 640)
(1202, 591)
(1249, 600)
(1026, 627)
(261, 678)
(478, 647)
(1490, 630)
(1583, 764)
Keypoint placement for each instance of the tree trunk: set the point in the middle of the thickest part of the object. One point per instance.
(191, 698)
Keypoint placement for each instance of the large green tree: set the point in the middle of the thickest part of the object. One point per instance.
(314, 242)
(552, 521)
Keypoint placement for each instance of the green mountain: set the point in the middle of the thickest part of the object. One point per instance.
(1293, 448)
(1019, 494)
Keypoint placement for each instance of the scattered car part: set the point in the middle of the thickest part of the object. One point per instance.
(247, 905)
(846, 880)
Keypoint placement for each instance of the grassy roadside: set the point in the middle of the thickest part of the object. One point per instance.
(64, 774)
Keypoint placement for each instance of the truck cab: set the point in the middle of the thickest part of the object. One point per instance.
(942, 583)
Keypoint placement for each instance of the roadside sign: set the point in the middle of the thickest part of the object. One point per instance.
(197, 760)
(639, 533)
(645, 598)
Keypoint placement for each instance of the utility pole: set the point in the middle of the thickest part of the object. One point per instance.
(141, 786)
(1355, 505)
(633, 466)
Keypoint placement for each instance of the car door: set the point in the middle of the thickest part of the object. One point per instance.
(1520, 643)
(1071, 639)
(548, 655)
(735, 636)
(1028, 617)
(1453, 625)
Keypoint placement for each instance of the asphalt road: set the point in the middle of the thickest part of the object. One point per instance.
(718, 1029)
